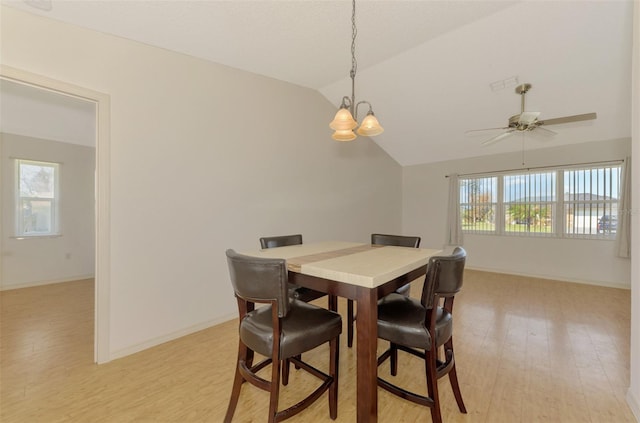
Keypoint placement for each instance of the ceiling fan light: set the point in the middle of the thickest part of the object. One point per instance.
(528, 118)
(344, 135)
(370, 126)
(343, 120)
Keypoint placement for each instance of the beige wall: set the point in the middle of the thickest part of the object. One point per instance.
(204, 158)
(37, 261)
(425, 196)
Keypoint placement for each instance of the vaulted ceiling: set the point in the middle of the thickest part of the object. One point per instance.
(432, 69)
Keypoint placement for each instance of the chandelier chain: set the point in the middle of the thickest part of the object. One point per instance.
(354, 32)
(346, 119)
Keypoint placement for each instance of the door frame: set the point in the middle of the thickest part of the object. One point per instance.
(102, 195)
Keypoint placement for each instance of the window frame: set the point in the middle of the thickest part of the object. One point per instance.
(54, 201)
(559, 225)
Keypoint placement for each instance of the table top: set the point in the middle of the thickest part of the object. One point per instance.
(359, 264)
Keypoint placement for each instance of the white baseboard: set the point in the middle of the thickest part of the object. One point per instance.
(169, 337)
(47, 282)
(634, 404)
(619, 285)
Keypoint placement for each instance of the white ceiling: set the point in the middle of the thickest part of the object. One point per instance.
(426, 66)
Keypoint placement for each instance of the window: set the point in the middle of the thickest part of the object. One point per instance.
(529, 202)
(591, 200)
(37, 196)
(566, 202)
(478, 202)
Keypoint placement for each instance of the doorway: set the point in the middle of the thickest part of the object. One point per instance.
(100, 102)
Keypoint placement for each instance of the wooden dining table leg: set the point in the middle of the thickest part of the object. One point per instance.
(367, 367)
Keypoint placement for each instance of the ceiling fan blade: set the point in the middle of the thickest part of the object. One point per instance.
(568, 119)
(539, 130)
(528, 118)
(498, 137)
(474, 131)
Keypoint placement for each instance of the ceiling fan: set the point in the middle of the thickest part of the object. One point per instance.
(528, 121)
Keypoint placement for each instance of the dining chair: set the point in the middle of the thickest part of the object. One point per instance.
(422, 327)
(382, 239)
(299, 292)
(280, 332)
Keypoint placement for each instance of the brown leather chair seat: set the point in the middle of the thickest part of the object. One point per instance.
(401, 321)
(303, 328)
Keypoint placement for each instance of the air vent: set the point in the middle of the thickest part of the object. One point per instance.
(40, 4)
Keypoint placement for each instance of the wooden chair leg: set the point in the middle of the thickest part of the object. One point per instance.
(285, 372)
(238, 380)
(249, 357)
(299, 357)
(350, 320)
(453, 378)
(334, 347)
(393, 358)
(274, 389)
(332, 303)
(235, 395)
(432, 384)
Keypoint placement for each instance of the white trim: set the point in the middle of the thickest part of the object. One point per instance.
(619, 285)
(28, 237)
(102, 190)
(46, 282)
(633, 395)
(171, 336)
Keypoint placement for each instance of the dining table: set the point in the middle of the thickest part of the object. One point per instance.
(363, 273)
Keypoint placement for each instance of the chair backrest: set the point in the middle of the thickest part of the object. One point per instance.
(396, 240)
(261, 280)
(444, 276)
(280, 241)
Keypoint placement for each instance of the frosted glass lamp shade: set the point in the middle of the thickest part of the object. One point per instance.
(344, 135)
(343, 120)
(370, 126)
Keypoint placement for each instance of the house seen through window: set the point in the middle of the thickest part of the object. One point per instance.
(37, 189)
(565, 202)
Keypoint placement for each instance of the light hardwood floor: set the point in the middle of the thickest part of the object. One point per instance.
(528, 350)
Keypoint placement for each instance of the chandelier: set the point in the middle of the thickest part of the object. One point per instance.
(344, 122)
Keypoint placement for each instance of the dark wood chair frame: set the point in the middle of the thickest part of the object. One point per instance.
(435, 368)
(246, 371)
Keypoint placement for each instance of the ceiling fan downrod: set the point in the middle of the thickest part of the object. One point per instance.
(522, 90)
(515, 121)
